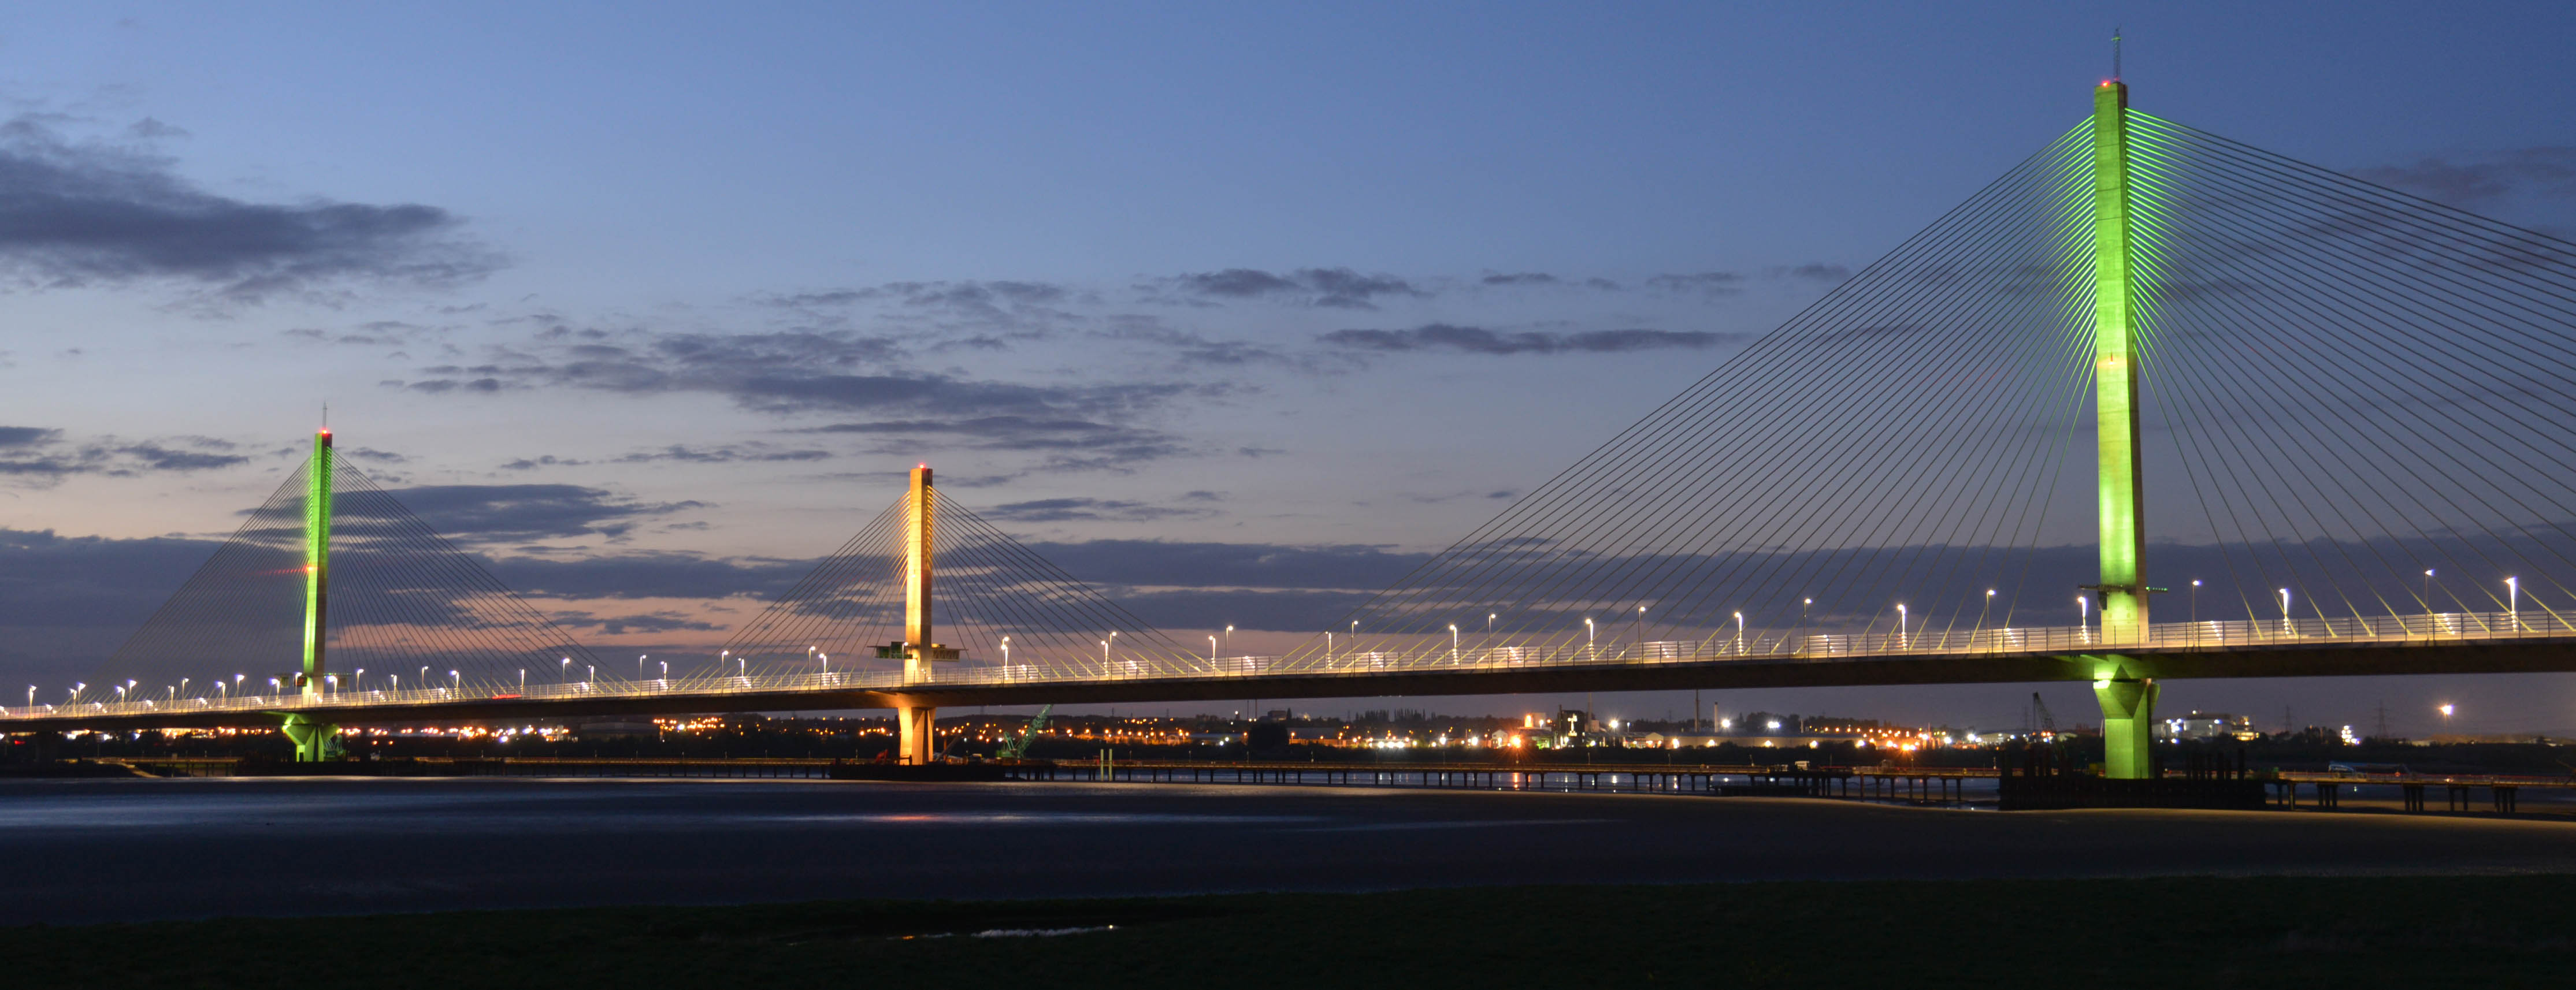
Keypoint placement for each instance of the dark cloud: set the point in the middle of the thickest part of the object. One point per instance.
(2476, 179)
(42, 455)
(726, 454)
(657, 574)
(795, 373)
(1814, 271)
(26, 436)
(1088, 509)
(1705, 283)
(1521, 278)
(549, 460)
(74, 214)
(647, 622)
(1023, 433)
(1166, 563)
(501, 513)
(1477, 340)
(1188, 349)
(1336, 287)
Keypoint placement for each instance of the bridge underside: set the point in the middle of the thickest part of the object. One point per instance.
(2521, 656)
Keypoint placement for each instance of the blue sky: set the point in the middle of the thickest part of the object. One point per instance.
(1158, 286)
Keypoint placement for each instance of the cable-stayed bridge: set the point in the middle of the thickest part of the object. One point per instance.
(2154, 404)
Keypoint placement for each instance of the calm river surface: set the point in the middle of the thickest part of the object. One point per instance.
(93, 850)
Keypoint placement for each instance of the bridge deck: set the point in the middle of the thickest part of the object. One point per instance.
(2441, 643)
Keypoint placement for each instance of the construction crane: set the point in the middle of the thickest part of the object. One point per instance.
(1017, 747)
(2047, 722)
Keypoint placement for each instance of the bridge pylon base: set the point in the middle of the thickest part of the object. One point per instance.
(913, 733)
(315, 742)
(2128, 726)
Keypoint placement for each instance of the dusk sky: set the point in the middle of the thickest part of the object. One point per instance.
(1236, 312)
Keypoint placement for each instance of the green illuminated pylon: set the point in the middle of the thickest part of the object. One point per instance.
(316, 741)
(2128, 703)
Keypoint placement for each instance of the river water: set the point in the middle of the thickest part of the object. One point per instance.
(92, 850)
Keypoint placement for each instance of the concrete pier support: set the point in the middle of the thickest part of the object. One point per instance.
(914, 736)
(314, 741)
(2128, 726)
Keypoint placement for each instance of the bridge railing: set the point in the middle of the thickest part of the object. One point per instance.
(1796, 646)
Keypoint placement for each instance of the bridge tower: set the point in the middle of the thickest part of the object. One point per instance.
(914, 721)
(2128, 700)
(314, 740)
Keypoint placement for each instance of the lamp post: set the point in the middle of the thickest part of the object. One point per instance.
(2513, 601)
(1641, 630)
(1453, 644)
(456, 683)
(1903, 642)
(1739, 650)
(1006, 657)
(1590, 651)
(1489, 623)
(2446, 716)
(563, 674)
(639, 664)
(1982, 610)
(2428, 599)
(1229, 637)
(2083, 617)
(2285, 611)
(666, 671)
(1211, 651)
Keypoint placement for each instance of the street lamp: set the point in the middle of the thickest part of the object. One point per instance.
(1589, 651)
(456, 683)
(563, 674)
(2446, 715)
(2428, 599)
(2083, 616)
(1453, 644)
(1641, 630)
(1489, 623)
(1006, 656)
(2285, 611)
(1211, 651)
(1739, 649)
(1902, 642)
(1229, 637)
(2513, 601)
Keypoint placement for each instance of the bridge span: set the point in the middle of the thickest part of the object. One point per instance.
(2440, 643)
